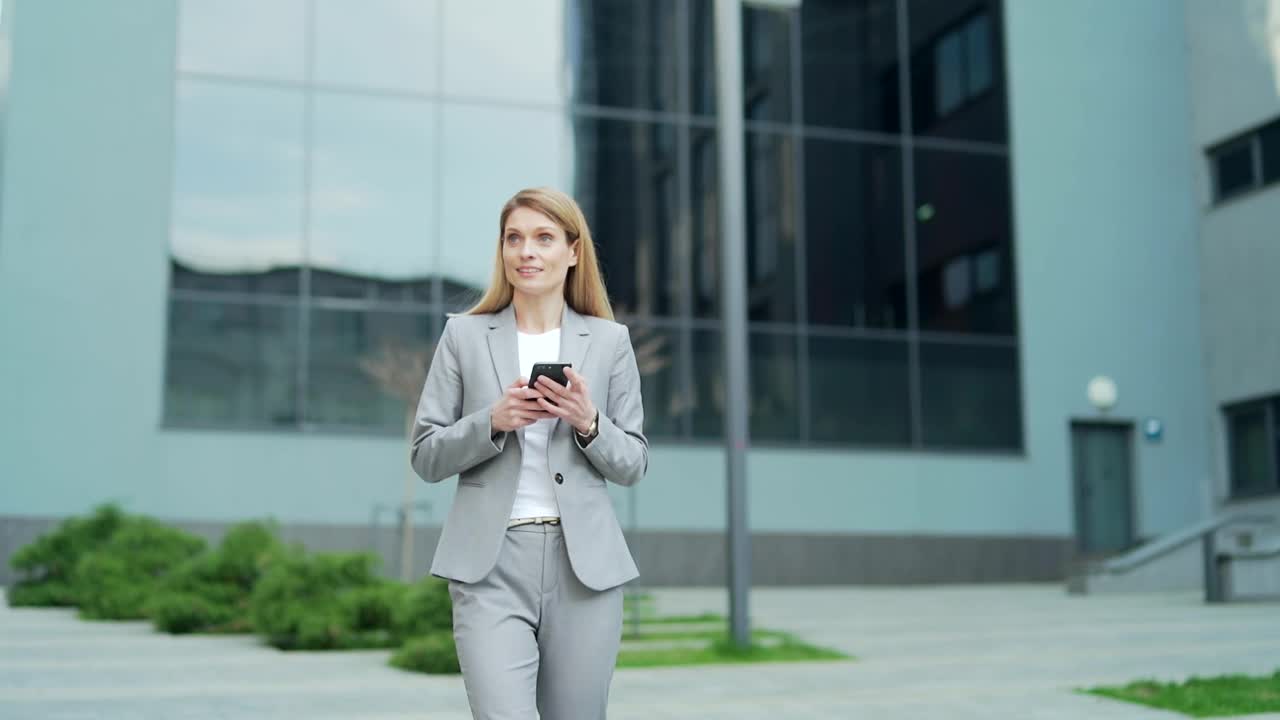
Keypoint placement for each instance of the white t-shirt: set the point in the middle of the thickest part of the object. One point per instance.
(534, 495)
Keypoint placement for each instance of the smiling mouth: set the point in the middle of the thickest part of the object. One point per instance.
(528, 271)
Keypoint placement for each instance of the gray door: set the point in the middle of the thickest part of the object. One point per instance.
(1102, 464)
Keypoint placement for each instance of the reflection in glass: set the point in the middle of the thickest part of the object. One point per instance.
(964, 242)
(705, 215)
(624, 177)
(377, 43)
(509, 50)
(849, 51)
(231, 364)
(702, 56)
(284, 281)
(372, 203)
(486, 156)
(366, 369)
(957, 75)
(238, 182)
(628, 54)
(858, 391)
(771, 231)
(773, 408)
(970, 397)
(766, 62)
(247, 38)
(853, 234)
(658, 358)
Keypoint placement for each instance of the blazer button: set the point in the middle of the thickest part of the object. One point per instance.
(559, 479)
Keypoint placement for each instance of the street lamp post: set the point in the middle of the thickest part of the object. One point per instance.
(728, 42)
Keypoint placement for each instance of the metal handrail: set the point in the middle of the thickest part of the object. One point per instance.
(1175, 541)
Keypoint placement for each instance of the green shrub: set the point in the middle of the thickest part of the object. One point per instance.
(49, 564)
(434, 653)
(221, 580)
(115, 581)
(426, 609)
(298, 603)
(178, 612)
(374, 607)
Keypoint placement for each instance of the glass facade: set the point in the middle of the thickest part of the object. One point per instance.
(338, 176)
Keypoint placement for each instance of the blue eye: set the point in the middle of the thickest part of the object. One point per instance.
(545, 238)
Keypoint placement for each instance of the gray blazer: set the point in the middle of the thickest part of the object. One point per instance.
(475, 360)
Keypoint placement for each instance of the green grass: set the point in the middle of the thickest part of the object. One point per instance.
(720, 650)
(1203, 697)
(707, 635)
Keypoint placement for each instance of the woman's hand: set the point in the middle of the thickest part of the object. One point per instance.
(517, 408)
(571, 404)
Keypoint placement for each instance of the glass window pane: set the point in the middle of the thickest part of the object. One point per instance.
(849, 52)
(658, 357)
(978, 55)
(702, 56)
(774, 404)
(624, 177)
(948, 67)
(373, 213)
(486, 156)
(705, 215)
(366, 369)
(963, 228)
(853, 234)
(970, 396)
(1251, 471)
(514, 51)
(377, 43)
(771, 228)
(238, 184)
(1233, 168)
(231, 364)
(247, 38)
(625, 54)
(766, 62)
(1270, 138)
(957, 73)
(858, 391)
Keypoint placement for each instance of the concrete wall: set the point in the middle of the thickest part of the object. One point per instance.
(1235, 84)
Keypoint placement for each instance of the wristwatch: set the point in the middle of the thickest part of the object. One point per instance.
(592, 431)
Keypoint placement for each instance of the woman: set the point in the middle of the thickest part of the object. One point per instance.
(532, 549)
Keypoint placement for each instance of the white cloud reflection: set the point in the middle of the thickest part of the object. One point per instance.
(399, 187)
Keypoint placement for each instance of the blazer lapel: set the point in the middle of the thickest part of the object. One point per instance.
(575, 338)
(504, 350)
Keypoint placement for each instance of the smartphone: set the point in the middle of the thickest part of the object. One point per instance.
(553, 370)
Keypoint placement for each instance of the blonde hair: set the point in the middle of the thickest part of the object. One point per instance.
(584, 289)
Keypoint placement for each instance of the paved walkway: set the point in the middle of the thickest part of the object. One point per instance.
(952, 653)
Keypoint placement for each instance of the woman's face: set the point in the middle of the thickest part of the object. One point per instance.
(535, 252)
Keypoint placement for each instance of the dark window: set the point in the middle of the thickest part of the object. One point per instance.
(660, 360)
(1269, 136)
(969, 396)
(849, 54)
(232, 364)
(766, 63)
(853, 233)
(1234, 168)
(858, 391)
(366, 369)
(773, 409)
(628, 56)
(964, 242)
(1252, 446)
(957, 87)
(771, 231)
(624, 176)
(705, 215)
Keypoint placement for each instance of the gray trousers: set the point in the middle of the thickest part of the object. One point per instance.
(530, 635)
